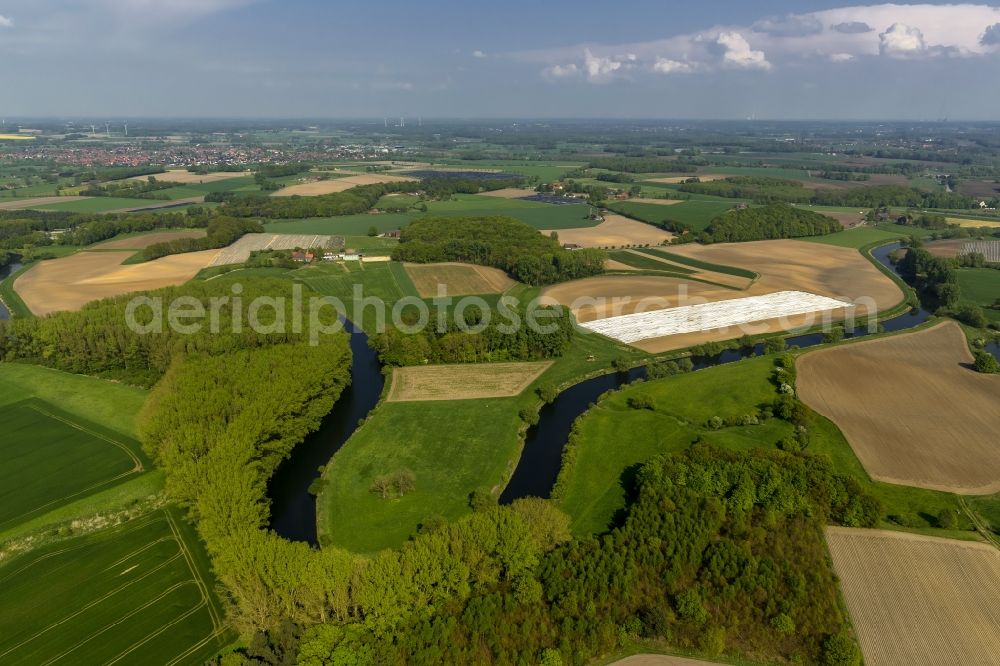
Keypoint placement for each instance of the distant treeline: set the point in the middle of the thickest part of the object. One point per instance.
(130, 189)
(354, 201)
(767, 190)
(97, 339)
(490, 344)
(768, 222)
(220, 232)
(501, 242)
(641, 165)
(29, 228)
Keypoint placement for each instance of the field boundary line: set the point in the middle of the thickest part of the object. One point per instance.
(93, 603)
(977, 522)
(197, 646)
(189, 560)
(180, 618)
(139, 523)
(135, 459)
(16, 519)
(121, 619)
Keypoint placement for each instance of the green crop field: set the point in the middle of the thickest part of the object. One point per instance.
(97, 204)
(856, 238)
(981, 286)
(452, 447)
(344, 225)
(613, 438)
(382, 280)
(695, 214)
(647, 263)
(52, 458)
(697, 263)
(134, 594)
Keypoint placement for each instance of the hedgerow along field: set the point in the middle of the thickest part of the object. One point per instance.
(131, 594)
(694, 214)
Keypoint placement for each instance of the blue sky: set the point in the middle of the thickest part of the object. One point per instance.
(804, 59)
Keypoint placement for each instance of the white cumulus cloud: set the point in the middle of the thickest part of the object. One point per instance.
(668, 66)
(600, 69)
(901, 40)
(560, 71)
(478, 54)
(6, 22)
(738, 53)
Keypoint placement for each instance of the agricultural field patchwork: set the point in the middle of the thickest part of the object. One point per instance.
(352, 179)
(919, 600)
(239, 252)
(912, 408)
(614, 231)
(463, 382)
(137, 593)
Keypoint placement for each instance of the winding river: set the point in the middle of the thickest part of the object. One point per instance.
(293, 508)
(6, 271)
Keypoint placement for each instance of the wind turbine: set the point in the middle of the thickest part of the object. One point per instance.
(107, 129)
(126, 127)
(93, 130)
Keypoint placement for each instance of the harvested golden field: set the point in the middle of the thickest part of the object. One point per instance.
(464, 381)
(71, 282)
(919, 600)
(614, 231)
(835, 272)
(510, 193)
(660, 660)
(912, 409)
(966, 222)
(145, 240)
(658, 202)
(847, 220)
(18, 204)
(703, 177)
(459, 279)
(185, 177)
(319, 187)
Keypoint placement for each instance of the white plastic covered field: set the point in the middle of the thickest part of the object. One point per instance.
(707, 316)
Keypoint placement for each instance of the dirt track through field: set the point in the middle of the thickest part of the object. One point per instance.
(614, 231)
(70, 282)
(463, 382)
(912, 409)
(917, 600)
(660, 660)
(783, 265)
(319, 187)
(458, 279)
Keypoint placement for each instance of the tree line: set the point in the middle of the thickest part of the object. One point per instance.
(501, 242)
(767, 222)
(491, 344)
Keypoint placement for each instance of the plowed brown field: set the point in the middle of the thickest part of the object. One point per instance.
(919, 600)
(913, 411)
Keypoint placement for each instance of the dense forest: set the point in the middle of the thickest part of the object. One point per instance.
(768, 222)
(501, 242)
(720, 553)
(30, 228)
(97, 340)
(492, 343)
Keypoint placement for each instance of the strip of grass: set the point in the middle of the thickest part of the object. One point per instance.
(702, 265)
(614, 438)
(98, 204)
(694, 214)
(138, 593)
(857, 237)
(10, 297)
(638, 261)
